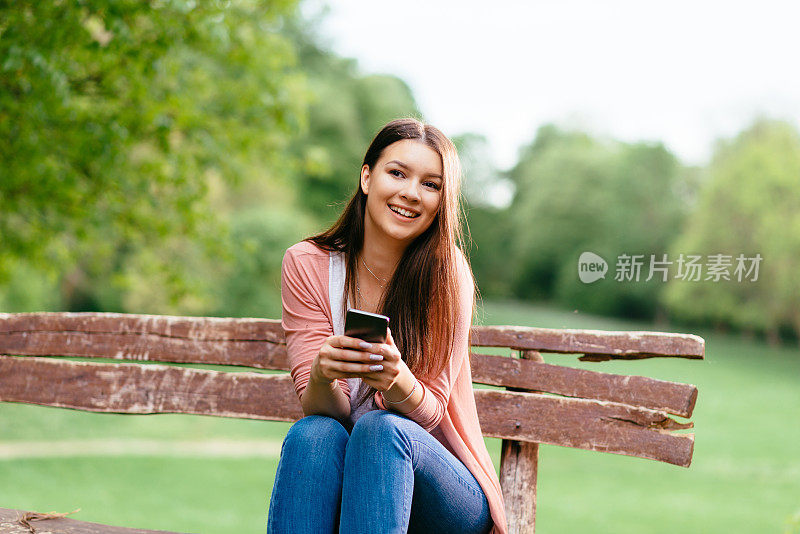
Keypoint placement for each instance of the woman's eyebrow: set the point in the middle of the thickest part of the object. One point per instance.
(401, 164)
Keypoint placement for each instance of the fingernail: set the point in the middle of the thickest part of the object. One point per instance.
(376, 357)
(364, 345)
(376, 368)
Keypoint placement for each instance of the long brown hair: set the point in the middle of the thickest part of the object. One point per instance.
(421, 298)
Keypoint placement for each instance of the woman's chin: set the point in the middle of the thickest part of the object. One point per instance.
(401, 235)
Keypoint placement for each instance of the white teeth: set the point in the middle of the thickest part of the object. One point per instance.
(404, 213)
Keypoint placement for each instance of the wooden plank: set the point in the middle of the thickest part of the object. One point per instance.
(584, 424)
(145, 389)
(259, 354)
(671, 397)
(519, 465)
(626, 345)
(10, 524)
(199, 328)
(594, 344)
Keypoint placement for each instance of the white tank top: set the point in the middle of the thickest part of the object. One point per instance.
(336, 276)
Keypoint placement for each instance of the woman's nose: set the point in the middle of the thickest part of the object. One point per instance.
(411, 191)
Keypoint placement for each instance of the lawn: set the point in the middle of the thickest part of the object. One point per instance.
(745, 475)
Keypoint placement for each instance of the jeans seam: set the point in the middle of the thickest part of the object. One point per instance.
(408, 496)
(466, 483)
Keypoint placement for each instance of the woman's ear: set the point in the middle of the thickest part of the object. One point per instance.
(365, 179)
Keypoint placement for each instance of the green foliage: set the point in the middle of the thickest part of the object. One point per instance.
(489, 222)
(28, 289)
(482, 181)
(346, 112)
(490, 249)
(114, 117)
(750, 204)
(251, 285)
(576, 194)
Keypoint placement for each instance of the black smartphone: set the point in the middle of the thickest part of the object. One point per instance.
(370, 327)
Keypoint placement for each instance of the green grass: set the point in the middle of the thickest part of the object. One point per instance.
(184, 494)
(745, 475)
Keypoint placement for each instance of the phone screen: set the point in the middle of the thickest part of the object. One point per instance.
(370, 327)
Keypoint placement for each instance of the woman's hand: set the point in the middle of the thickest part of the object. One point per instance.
(393, 365)
(346, 357)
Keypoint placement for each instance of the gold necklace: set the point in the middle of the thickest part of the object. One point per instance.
(373, 274)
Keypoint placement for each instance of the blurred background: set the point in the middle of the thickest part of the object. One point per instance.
(159, 157)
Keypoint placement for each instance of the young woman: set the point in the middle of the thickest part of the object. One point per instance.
(390, 441)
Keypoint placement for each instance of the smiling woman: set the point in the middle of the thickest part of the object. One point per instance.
(407, 180)
(390, 441)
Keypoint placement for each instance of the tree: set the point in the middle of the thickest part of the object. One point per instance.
(115, 117)
(485, 189)
(576, 194)
(347, 109)
(749, 205)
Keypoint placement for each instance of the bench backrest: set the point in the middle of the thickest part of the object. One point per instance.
(542, 403)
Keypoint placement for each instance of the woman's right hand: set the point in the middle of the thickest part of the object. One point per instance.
(343, 357)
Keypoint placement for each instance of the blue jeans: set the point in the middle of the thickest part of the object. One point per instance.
(388, 475)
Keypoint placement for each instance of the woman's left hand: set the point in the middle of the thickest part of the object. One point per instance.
(393, 365)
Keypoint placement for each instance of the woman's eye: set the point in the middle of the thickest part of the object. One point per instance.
(393, 171)
(434, 185)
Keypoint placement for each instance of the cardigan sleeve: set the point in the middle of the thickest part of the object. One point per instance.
(436, 392)
(304, 319)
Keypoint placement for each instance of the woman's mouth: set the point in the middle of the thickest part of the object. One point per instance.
(407, 214)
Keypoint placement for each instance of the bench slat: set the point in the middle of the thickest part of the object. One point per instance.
(612, 344)
(171, 326)
(145, 347)
(672, 397)
(595, 344)
(144, 389)
(583, 424)
(9, 524)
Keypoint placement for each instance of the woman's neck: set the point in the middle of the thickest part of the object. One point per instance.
(381, 257)
(380, 263)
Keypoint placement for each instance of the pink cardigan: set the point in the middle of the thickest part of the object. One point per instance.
(447, 409)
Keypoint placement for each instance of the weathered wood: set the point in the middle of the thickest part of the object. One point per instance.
(584, 424)
(145, 347)
(9, 524)
(486, 369)
(145, 389)
(199, 328)
(594, 344)
(614, 344)
(519, 465)
(523, 374)
(495, 370)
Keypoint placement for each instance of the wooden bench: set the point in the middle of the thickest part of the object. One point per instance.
(541, 402)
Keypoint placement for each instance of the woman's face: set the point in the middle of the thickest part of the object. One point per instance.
(404, 191)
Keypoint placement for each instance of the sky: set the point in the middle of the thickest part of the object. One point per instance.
(684, 73)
